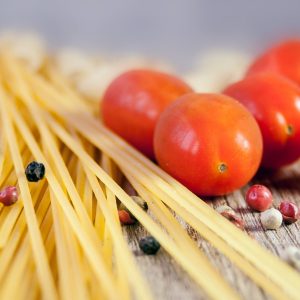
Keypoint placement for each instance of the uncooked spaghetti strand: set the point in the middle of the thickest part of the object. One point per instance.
(7, 256)
(180, 236)
(84, 190)
(110, 198)
(13, 215)
(49, 245)
(210, 217)
(67, 117)
(71, 273)
(68, 289)
(137, 211)
(8, 168)
(43, 269)
(15, 274)
(91, 252)
(220, 244)
(21, 261)
(22, 264)
(66, 284)
(120, 245)
(121, 249)
(167, 219)
(59, 82)
(57, 159)
(3, 148)
(112, 205)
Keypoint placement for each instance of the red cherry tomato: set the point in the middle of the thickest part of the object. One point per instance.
(275, 103)
(209, 142)
(259, 197)
(283, 59)
(133, 102)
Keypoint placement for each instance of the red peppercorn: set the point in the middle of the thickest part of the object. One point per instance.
(126, 218)
(9, 195)
(259, 197)
(290, 212)
(233, 218)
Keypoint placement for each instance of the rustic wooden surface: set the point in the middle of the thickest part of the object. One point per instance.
(169, 281)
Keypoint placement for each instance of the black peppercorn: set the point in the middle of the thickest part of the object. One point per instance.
(149, 245)
(35, 171)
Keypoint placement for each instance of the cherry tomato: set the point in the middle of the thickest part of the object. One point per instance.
(209, 142)
(275, 103)
(283, 59)
(259, 197)
(133, 102)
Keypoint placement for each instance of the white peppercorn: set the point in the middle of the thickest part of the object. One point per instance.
(271, 219)
(292, 256)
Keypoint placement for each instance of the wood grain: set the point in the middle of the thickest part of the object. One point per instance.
(169, 281)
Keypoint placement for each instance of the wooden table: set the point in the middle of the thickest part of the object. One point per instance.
(169, 281)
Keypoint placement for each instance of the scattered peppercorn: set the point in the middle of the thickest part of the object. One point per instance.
(35, 171)
(141, 202)
(227, 212)
(149, 245)
(9, 195)
(259, 197)
(233, 218)
(126, 218)
(271, 219)
(290, 212)
(292, 256)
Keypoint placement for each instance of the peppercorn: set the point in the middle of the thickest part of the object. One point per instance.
(227, 212)
(292, 256)
(149, 245)
(141, 202)
(259, 197)
(126, 218)
(9, 195)
(234, 219)
(224, 208)
(138, 200)
(35, 171)
(271, 218)
(290, 212)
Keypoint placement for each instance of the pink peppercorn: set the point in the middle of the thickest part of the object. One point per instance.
(259, 197)
(8, 195)
(126, 218)
(290, 212)
(233, 218)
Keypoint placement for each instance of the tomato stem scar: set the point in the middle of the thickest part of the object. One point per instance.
(290, 129)
(222, 167)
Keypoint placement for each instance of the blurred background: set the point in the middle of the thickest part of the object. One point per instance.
(176, 30)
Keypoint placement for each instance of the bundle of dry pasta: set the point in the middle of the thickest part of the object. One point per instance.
(63, 239)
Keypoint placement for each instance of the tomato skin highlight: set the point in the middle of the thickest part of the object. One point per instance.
(274, 101)
(283, 59)
(208, 142)
(133, 102)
